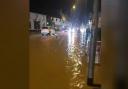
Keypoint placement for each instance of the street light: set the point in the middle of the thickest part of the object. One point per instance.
(74, 7)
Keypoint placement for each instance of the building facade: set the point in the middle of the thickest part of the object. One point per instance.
(37, 21)
(58, 21)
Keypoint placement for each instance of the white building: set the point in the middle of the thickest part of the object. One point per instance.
(58, 21)
(37, 21)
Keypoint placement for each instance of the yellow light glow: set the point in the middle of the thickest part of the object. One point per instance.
(74, 7)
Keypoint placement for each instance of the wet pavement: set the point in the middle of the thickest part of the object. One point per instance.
(58, 62)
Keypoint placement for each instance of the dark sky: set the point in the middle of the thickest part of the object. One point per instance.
(53, 8)
(50, 7)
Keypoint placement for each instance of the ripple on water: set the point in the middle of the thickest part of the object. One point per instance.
(75, 51)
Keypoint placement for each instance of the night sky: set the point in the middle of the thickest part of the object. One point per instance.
(53, 8)
(50, 7)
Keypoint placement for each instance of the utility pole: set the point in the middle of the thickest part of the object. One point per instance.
(92, 51)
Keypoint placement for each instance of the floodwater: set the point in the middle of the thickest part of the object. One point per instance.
(58, 62)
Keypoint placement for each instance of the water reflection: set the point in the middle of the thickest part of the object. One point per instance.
(75, 50)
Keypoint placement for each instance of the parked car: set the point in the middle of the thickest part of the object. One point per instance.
(47, 31)
(44, 31)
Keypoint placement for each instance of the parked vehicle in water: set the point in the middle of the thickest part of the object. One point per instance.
(44, 31)
(47, 31)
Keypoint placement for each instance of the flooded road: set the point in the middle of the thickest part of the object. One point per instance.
(58, 62)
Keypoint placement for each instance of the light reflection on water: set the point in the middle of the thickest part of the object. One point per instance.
(75, 50)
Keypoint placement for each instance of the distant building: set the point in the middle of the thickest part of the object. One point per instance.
(37, 21)
(58, 21)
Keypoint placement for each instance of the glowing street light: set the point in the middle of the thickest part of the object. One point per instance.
(74, 7)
